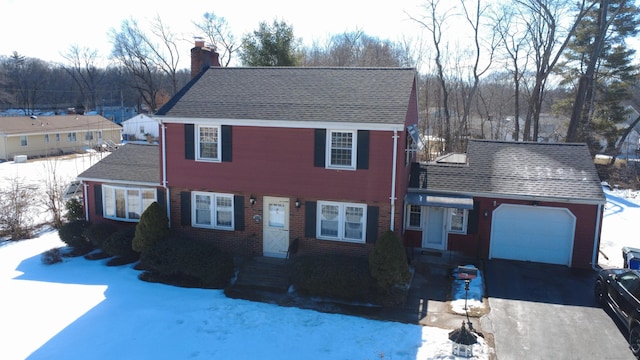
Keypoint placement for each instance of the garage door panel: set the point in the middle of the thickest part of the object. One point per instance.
(532, 233)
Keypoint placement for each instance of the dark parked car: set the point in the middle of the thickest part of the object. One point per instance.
(620, 290)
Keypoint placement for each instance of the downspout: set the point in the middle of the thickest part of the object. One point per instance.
(393, 179)
(596, 243)
(85, 200)
(164, 171)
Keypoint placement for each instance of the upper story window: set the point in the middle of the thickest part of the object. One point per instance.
(209, 144)
(71, 137)
(23, 140)
(124, 203)
(341, 149)
(341, 221)
(212, 210)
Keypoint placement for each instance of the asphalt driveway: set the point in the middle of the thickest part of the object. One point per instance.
(541, 311)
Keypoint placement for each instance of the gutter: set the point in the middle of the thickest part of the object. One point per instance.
(393, 179)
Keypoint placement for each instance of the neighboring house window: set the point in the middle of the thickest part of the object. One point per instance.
(341, 221)
(458, 220)
(23, 140)
(341, 149)
(208, 143)
(71, 137)
(88, 135)
(124, 203)
(99, 134)
(141, 129)
(46, 138)
(212, 210)
(58, 137)
(414, 216)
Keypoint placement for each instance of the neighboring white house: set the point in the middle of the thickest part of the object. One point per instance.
(140, 127)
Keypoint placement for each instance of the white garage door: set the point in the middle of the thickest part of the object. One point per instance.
(532, 233)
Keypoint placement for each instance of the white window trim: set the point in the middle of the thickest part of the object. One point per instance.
(408, 218)
(46, 138)
(113, 189)
(57, 137)
(25, 142)
(341, 220)
(197, 143)
(72, 137)
(212, 209)
(354, 149)
(465, 220)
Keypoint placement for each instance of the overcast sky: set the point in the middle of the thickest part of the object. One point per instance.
(44, 28)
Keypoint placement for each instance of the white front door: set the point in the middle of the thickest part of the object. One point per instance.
(276, 227)
(433, 234)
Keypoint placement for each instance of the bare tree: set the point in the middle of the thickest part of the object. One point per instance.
(54, 188)
(433, 22)
(218, 33)
(544, 20)
(147, 58)
(85, 72)
(28, 78)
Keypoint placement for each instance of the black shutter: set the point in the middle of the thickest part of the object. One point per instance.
(310, 219)
(226, 143)
(362, 161)
(372, 224)
(185, 208)
(189, 142)
(474, 218)
(319, 147)
(238, 212)
(161, 199)
(97, 198)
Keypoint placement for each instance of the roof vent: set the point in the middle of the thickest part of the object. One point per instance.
(34, 117)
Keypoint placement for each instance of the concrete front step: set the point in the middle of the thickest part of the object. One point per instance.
(261, 274)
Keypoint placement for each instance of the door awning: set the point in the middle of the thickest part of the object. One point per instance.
(439, 200)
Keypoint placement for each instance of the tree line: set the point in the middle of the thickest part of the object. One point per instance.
(510, 62)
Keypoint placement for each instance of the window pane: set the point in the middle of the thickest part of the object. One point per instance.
(121, 210)
(414, 215)
(23, 141)
(203, 210)
(354, 222)
(224, 211)
(457, 219)
(341, 148)
(133, 204)
(109, 202)
(276, 215)
(148, 197)
(329, 220)
(208, 142)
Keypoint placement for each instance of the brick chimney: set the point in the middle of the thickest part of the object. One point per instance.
(203, 57)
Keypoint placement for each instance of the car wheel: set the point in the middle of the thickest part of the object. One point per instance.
(599, 293)
(634, 340)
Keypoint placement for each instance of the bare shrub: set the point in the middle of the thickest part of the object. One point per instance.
(52, 256)
(17, 207)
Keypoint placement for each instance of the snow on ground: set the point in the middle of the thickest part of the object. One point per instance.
(83, 309)
(620, 226)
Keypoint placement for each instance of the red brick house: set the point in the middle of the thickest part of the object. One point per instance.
(257, 158)
(539, 202)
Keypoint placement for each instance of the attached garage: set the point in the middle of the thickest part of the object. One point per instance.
(532, 233)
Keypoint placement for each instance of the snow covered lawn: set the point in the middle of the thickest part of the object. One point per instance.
(83, 309)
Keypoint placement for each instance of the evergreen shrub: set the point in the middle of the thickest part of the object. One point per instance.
(71, 233)
(119, 243)
(339, 277)
(98, 233)
(152, 227)
(388, 262)
(187, 262)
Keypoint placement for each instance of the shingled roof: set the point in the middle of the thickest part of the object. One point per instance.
(359, 95)
(18, 125)
(515, 169)
(131, 163)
